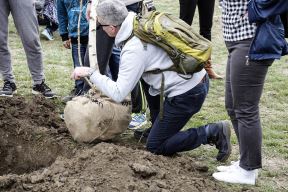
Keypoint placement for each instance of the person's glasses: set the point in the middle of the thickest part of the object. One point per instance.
(99, 25)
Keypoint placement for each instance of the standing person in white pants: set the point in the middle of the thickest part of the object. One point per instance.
(25, 20)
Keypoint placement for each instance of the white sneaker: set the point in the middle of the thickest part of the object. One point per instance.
(234, 164)
(238, 176)
(45, 33)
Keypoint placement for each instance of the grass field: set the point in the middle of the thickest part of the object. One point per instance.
(274, 102)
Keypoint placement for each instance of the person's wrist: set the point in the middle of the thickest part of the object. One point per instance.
(65, 37)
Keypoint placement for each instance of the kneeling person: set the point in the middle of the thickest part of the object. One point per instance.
(183, 97)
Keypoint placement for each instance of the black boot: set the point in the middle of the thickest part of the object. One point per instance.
(219, 135)
(142, 134)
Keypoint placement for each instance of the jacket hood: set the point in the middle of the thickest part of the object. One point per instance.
(126, 29)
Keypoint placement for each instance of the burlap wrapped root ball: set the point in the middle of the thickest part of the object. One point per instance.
(89, 121)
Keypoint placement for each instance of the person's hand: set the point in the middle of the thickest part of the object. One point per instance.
(67, 44)
(80, 72)
(88, 11)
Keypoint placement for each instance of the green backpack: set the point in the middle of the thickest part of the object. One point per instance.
(188, 50)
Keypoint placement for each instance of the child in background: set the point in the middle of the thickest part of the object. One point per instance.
(68, 15)
(48, 16)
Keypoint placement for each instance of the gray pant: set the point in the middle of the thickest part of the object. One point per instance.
(244, 85)
(25, 20)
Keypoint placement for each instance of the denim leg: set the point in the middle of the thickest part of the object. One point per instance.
(165, 137)
(136, 98)
(246, 83)
(152, 101)
(79, 84)
(114, 62)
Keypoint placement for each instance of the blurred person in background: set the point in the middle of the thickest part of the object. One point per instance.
(206, 12)
(47, 15)
(68, 15)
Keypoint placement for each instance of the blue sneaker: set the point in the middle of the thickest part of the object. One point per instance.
(138, 120)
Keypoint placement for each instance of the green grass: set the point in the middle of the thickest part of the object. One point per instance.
(273, 106)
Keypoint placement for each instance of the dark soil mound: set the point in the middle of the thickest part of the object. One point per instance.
(28, 135)
(33, 138)
(107, 167)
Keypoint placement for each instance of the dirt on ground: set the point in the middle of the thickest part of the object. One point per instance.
(38, 154)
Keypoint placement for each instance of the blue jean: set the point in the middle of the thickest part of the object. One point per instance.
(165, 137)
(114, 62)
(79, 84)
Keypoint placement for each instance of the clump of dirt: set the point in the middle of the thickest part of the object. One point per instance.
(31, 140)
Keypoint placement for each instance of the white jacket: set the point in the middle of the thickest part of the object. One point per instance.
(134, 61)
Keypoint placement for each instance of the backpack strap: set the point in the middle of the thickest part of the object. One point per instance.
(143, 101)
(130, 37)
(124, 42)
(161, 112)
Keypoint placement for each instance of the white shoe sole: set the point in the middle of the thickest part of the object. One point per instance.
(224, 168)
(224, 176)
(138, 126)
(3, 95)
